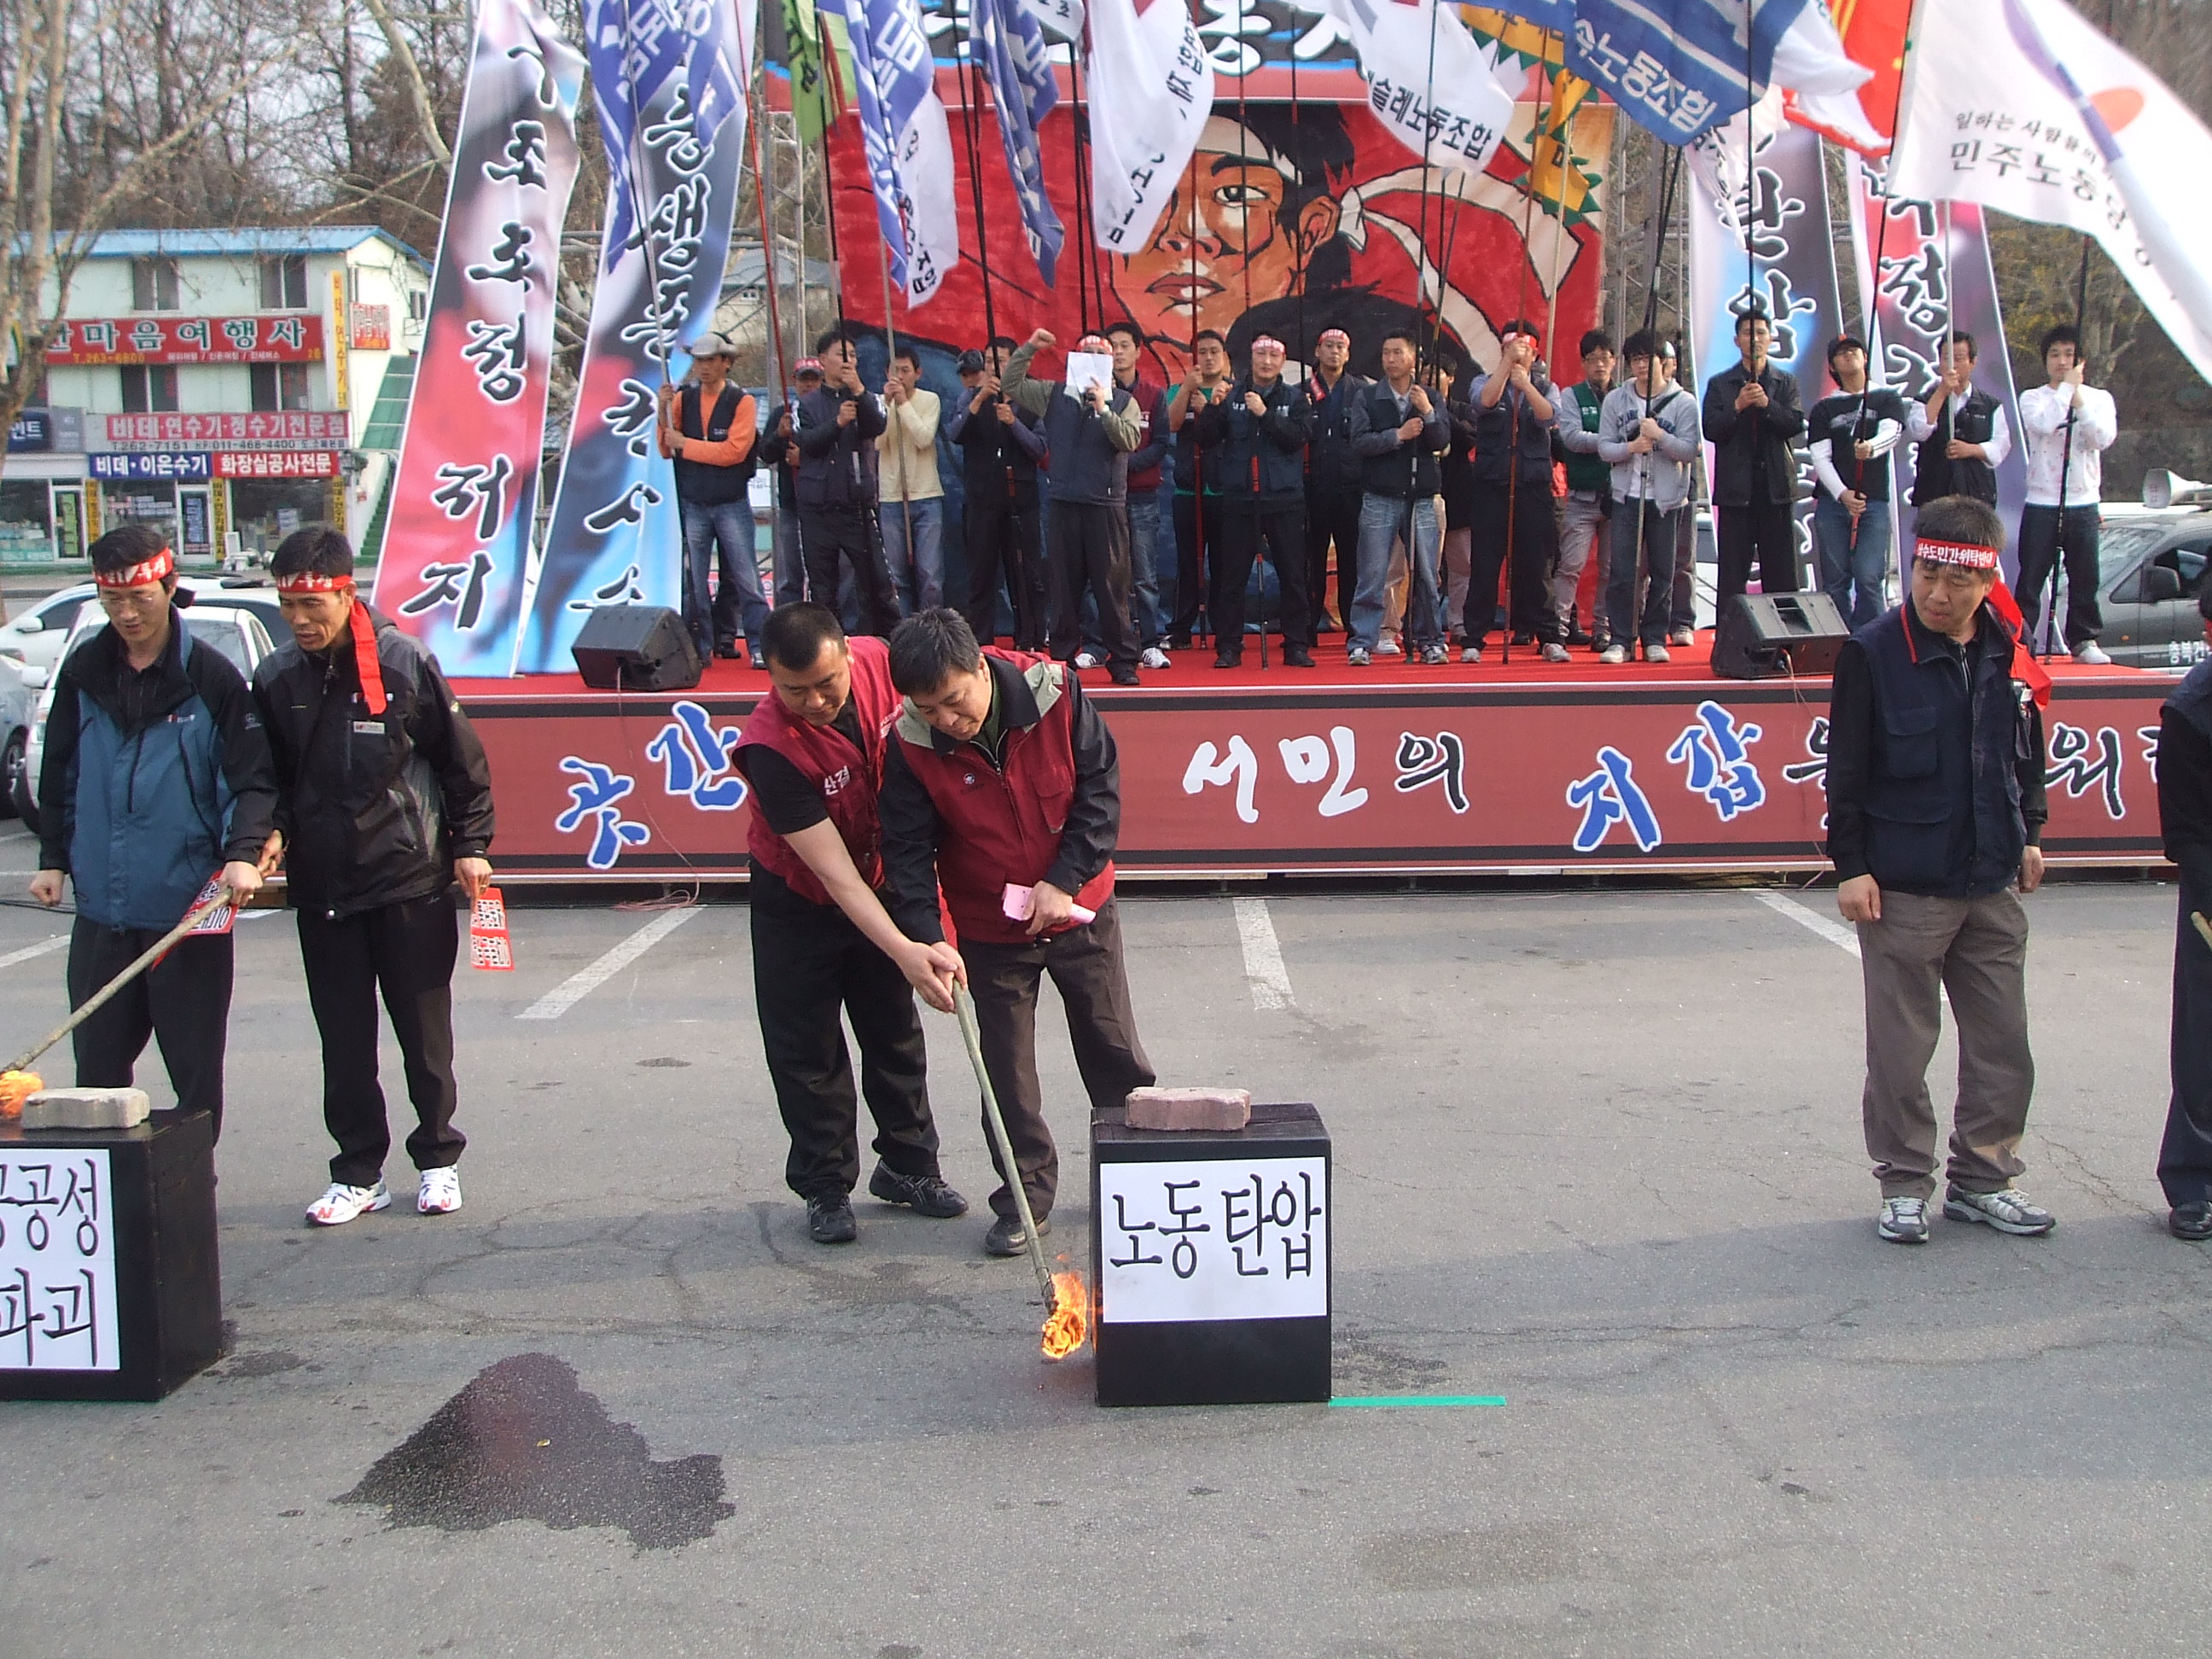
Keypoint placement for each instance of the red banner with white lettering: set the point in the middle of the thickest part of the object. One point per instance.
(93, 340)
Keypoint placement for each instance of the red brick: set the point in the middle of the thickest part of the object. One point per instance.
(1220, 1110)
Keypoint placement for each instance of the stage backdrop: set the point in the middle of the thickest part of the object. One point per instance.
(1318, 229)
(1527, 779)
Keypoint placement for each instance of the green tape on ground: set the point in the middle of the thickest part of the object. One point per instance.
(1369, 1400)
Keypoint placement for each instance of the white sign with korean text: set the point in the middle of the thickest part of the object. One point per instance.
(1213, 1239)
(57, 1261)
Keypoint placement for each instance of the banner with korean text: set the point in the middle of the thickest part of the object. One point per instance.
(457, 541)
(1770, 248)
(668, 86)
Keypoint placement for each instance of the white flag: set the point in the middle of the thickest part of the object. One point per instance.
(2020, 105)
(1428, 80)
(1149, 70)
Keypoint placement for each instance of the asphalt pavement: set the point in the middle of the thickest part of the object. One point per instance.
(1597, 1156)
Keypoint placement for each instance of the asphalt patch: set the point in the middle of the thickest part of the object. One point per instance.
(524, 1442)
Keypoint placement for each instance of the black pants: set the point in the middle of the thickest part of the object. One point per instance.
(2185, 1162)
(1086, 965)
(1001, 536)
(1245, 525)
(1197, 529)
(1091, 550)
(809, 961)
(182, 1002)
(1332, 519)
(2043, 533)
(829, 533)
(405, 951)
(1768, 529)
(1533, 538)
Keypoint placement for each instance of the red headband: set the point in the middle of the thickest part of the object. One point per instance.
(1335, 334)
(160, 567)
(1958, 553)
(1268, 341)
(364, 631)
(1093, 342)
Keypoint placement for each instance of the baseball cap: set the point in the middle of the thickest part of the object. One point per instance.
(807, 366)
(971, 361)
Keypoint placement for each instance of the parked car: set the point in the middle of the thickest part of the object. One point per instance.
(234, 629)
(2151, 566)
(38, 637)
(18, 702)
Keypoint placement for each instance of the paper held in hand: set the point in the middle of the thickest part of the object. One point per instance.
(490, 947)
(1020, 903)
(220, 919)
(1086, 369)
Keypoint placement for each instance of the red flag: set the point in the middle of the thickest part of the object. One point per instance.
(2027, 668)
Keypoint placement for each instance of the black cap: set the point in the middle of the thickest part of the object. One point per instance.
(971, 361)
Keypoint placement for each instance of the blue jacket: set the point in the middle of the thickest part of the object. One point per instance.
(152, 783)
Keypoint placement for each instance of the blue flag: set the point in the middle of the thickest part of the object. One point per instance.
(909, 145)
(1007, 41)
(1678, 67)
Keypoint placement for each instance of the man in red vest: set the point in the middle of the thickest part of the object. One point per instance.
(813, 753)
(1000, 785)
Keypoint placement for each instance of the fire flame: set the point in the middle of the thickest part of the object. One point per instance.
(1068, 1326)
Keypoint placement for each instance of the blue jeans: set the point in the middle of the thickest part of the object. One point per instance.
(724, 531)
(1382, 518)
(919, 581)
(1851, 574)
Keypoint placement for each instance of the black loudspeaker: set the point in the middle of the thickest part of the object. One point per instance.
(636, 647)
(1763, 634)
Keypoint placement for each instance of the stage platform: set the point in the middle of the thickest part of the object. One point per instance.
(1518, 767)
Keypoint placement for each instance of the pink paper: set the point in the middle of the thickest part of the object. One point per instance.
(1020, 904)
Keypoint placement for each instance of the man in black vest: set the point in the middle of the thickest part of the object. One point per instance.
(1750, 415)
(1332, 479)
(1090, 438)
(707, 428)
(1259, 431)
(1935, 809)
(838, 426)
(1514, 419)
(999, 445)
(2185, 817)
(1962, 432)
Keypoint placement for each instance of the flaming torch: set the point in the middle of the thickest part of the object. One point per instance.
(1068, 1303)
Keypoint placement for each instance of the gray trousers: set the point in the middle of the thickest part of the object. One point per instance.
(1977, 949)
(1582, 532)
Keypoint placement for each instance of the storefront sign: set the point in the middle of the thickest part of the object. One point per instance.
(341, 368)
(285, 429)
(159, 463)
(275, 464)
(371, 328)
(187, 340)
(33, 432)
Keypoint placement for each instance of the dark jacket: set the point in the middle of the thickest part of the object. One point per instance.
(1088, 450)
(1332, 463)
(1750, 449)
(2185, 783)
(151, 783)
(996, 460)
(1934, 474)
(836, 464)
(1934, 759)
(777, 448)
(1276, 441)
(1455, 467)
(1390, 464)
(1195, 469)
(1508, 423)
(375, 810)
(1046, 807)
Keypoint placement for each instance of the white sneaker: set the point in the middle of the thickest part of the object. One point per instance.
(1471, 653)
(340, 1203)
(1556, 653)
(1613, 653)
(441, 1192)
(1683, 636)
(1389, 647)
(2090, 654)
(1657, 653)
(1358, 657)
(1153, 658)
(1084, 659)
(1904, 1220)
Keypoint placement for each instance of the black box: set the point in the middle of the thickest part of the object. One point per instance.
(1222, 1286)
(636, 647)
(113, 1266)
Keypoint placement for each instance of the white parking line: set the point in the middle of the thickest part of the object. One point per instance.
(1828, 928)
(1263, 955)
(42, 948)
(581, 984)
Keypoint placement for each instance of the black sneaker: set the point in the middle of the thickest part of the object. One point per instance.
(1124, 676)
(830, 1219)
(923, 1195)
(1228, 658)
(1007, 1238)
(2192, 1222)
(1296, 656)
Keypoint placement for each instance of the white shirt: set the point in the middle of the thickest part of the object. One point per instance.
(2043, 418)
